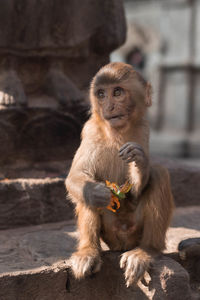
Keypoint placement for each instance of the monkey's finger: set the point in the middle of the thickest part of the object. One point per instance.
(101, 200)
(126, 150)
(139, 271)
(132, 153)
(130, 159)
(132, 145)
(100, 204)
(134, 271)
(97, 265)
(123, 261)
(130, 149)
(129, 152)
(124, 146)
(105, 195)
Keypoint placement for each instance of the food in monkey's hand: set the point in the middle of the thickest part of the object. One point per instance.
(117, 193)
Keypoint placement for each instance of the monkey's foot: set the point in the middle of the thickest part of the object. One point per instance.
(85, 262)
(134, 263)
(11, 89)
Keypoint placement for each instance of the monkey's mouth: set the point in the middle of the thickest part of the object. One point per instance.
(115, 117)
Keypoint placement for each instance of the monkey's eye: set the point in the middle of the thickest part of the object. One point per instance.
(101, 94)
(117, 91)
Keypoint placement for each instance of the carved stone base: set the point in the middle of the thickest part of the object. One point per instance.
(38, 134)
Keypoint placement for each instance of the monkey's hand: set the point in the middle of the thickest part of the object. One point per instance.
(132, 151)
(96, 194)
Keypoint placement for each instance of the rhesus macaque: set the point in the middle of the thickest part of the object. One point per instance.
(114, 147)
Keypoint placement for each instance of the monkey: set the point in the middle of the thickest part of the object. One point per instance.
(115, 147)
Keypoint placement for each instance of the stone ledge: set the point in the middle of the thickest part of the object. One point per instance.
(33, 201)
(36, 201)
(168, 281)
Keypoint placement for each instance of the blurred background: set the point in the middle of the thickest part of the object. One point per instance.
(49, 53)
(163, 43)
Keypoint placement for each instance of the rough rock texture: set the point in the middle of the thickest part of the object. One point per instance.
(33, 201)
(52, 26)
(32, 135)
(28, 248)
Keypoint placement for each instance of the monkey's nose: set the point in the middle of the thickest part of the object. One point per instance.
(111, 106)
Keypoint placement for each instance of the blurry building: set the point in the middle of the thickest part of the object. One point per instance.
(163, 43)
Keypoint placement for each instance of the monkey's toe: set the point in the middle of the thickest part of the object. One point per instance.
(134, 265)
(83, 265)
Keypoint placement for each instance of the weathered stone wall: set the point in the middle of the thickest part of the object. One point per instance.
(49, 52)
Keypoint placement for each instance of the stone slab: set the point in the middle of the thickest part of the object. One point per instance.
(33, 201)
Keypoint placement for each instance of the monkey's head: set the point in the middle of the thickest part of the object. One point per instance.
(119, 95)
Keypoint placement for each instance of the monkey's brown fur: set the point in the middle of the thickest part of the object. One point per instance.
(119, 98)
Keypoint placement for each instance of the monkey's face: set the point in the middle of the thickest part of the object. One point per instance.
(115, 105)
(119, 94)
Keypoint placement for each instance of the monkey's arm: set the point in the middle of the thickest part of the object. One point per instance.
(81, 184)
(138, 160)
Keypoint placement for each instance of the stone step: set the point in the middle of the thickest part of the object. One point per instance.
(33, 265)
(31, 201)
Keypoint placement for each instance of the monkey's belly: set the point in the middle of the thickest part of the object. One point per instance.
(120, 233)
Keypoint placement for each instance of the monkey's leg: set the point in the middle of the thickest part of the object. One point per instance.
(87, 259)
(153, 214)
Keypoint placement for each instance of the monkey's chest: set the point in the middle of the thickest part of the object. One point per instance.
(109, 166)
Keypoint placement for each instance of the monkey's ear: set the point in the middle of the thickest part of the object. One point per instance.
(148, 94)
